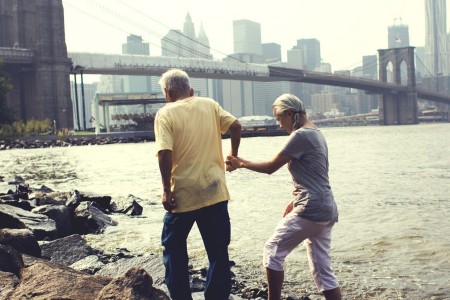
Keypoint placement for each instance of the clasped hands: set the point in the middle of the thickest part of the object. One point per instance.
(232, 163)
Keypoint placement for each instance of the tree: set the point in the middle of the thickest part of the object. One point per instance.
(6, 113)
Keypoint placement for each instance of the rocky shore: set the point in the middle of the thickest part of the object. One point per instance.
(44, 255)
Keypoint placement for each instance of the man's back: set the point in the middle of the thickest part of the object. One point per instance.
(192, 129)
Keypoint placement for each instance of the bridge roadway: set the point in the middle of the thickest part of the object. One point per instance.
(116, 64)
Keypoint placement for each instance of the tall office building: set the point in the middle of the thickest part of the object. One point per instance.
(398, 36)
(185, 43)
(247, 37)
(271, 52)
(310, 49)
(135, 46)
(436, 52)
(370, 66)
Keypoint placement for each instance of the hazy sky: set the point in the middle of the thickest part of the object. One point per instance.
(346, 29)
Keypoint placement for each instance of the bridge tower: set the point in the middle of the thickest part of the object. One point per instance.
(41, 88)
(398, 108)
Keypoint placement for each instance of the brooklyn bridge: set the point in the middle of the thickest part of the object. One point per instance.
(33, 49)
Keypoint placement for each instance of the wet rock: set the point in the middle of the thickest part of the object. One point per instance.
(16, 218)
(23, 204)
(90, 264)
(135, 284)
(67, 250)
(128, 206)
(43, 281)
(10, 260)
(22, 240)
(62, 216)
(88, 218)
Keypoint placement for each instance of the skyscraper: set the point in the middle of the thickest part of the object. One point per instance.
(311, 52)
(271, 52)
(247, 37)
(398, 36)
(436, 52)
(135, 46)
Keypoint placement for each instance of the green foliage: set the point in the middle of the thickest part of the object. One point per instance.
(6, 113)
(31, 128)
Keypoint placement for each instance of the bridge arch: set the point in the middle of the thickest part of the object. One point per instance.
(398, 108)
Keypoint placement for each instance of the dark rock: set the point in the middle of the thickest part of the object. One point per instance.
(43, 281)
(67, 250)
(90, 219)
(23, 204)
(10, 260)
(74, 199)
(22, 240)
(62, 216)
(135, 284)
(8, 282)
(15, 218)
(128, 206)
(103, 202)
(153, 264)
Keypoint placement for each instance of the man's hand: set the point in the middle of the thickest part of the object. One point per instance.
(168, 202)
(229, 167)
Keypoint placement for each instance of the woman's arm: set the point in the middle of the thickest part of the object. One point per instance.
(267, 167)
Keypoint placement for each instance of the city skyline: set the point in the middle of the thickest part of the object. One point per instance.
(358, 29)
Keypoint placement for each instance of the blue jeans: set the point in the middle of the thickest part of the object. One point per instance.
(213, 223)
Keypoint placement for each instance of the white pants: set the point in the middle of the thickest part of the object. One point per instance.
(289, 233)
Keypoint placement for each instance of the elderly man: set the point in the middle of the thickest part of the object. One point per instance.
(189, 149)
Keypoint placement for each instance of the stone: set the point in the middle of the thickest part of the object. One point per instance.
(43, 281)
(10, 260)
(23, 240)
(135, 284)
(16, 218)
(67, 250)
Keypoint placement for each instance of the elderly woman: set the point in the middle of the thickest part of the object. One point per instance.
(312, 212)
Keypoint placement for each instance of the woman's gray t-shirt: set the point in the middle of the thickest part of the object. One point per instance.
(313, 197)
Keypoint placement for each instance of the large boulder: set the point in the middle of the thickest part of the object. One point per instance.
(16, 218)
(10, 260)
(62, 215)
(67, 250)
(135, 284)
(88, 218)
(43, 281)
(128, 206)
(23, 240)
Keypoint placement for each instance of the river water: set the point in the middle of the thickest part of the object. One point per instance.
(391, 183)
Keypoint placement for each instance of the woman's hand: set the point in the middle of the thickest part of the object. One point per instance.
(289, 208)
(233, 163)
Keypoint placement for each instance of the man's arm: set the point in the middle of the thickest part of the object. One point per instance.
(165, 167)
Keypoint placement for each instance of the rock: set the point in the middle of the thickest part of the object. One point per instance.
(62, 216)
(153, 264)
(128, 206)
(90, 219)
(67, 250)
(135, 284)
(103, 202)
(90, 264)
(22, 240)
(43, 281)
(23, 204)
(10, 260)
(16, 218)
(74, 199)
(8, 282)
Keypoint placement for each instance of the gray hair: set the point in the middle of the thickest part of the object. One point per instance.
(175, 79)
(289, 102)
